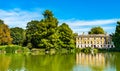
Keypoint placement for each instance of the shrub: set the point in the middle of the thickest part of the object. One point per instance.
(95, 50)
(13, 49)
(86, 50)
(29, 45)
(78, 49)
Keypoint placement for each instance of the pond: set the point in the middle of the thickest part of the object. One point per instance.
(61, 62)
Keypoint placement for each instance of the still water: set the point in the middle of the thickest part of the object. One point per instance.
(63, 62)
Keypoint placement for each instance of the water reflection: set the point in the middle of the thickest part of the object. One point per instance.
(65, 62)
(17, 62)
(4, 62)
(89, 59)
(37, 62)
(50, 63)
(99, 62)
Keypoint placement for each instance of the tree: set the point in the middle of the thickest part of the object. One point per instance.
(43, 34)
(32, 33)
(5, 37)
(96, 30)
(66, 36)
(18, 35)
(51, 33)
(116, 36)
(47, 34)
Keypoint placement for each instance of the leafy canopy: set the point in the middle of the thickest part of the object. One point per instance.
(5, 37)
(18, 35)
(96, 30)
(47, 34)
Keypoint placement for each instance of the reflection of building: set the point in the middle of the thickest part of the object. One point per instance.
(96, 41)
(90, 60)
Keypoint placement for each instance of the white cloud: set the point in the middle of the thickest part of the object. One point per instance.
(80, 26)
(19, 18)
(74, 22)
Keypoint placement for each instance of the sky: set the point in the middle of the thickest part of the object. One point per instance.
(80, 15)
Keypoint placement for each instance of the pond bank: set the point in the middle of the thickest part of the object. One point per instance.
(37, 51)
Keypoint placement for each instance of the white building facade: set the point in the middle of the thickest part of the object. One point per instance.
(95, 41)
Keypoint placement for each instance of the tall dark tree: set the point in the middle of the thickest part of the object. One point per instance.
(116, 36)
(96, 30)
(5, 37)
(18, 35)
(32, 30)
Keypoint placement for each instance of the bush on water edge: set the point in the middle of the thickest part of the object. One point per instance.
(87, 50)
(13, 49)
(109, 50)
(20, 49)
(35, 51)
(95, 50)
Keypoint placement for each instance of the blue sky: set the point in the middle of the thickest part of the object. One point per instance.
(80, 15)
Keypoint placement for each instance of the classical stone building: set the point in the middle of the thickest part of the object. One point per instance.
(94, 40)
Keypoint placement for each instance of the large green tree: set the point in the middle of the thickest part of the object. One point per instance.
(66, 36)
(46, 33)
(116, 36)
(18, 35)
(51, 37)
(5, 37)
(43, 34)
(96, 30)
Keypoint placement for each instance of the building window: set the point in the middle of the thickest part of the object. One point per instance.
(94, 46)
(112, 46)
(97, 42)
(104, 46)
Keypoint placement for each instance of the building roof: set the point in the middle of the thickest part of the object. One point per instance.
(94, 35)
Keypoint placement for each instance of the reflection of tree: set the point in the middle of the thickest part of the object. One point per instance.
(117, 61)
(50, 63)
(17, 62)
(113, 60)
(4, 62)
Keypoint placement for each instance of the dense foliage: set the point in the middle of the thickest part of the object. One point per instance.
(5, 37)
(13, 49)
(96, 30)
(116, 36)
(18, 35)
(66, 36)
(47, 34)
